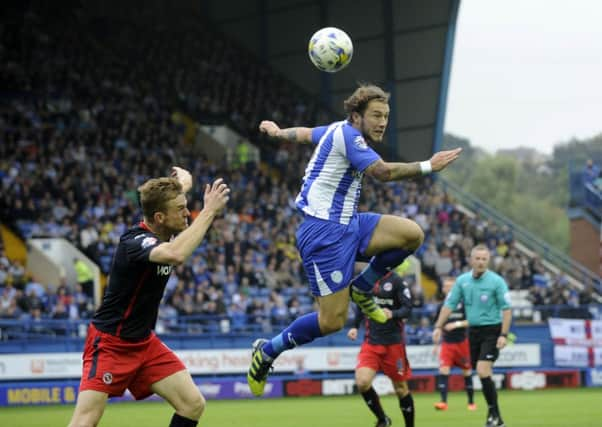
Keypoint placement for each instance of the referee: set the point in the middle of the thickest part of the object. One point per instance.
(487, 304)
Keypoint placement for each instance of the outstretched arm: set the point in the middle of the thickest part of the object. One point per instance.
(392, 171)
(297, 134)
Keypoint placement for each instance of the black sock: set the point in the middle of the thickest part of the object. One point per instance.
(469, 389)
(180, 421)
(406, 404)
(490, 396)
(373, 402)
(442, 384)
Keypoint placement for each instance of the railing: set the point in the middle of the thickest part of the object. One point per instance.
(593, 200)
(206, 326)
(529, 240)
(576, 188)
(585, 194)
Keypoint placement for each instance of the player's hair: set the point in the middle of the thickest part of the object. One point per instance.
(156, 193)
(359, 100)
(479, 247)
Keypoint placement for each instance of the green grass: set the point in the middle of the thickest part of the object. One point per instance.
(549, 408)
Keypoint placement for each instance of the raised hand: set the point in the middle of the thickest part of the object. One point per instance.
(216, 196)
(269, 127)
(441, 159)
(183, 176)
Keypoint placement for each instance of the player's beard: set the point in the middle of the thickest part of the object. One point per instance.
(367, 136)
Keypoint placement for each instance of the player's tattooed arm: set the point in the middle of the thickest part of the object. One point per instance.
(390, 171)
(291, 134)
(387, 171)
(296, 134)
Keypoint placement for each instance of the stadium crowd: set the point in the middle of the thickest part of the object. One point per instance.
(82, 127)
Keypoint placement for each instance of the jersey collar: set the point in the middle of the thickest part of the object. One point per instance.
(480, 277)
(143, 225)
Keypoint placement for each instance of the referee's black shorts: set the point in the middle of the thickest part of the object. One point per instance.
(483, 343)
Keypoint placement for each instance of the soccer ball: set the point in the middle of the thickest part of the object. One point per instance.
(330, 49)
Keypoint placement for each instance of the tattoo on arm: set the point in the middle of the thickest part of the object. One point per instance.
(405, 170)
(297, 134)
(393, 171)
(291, 134)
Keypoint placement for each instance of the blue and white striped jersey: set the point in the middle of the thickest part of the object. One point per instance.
(333, 177)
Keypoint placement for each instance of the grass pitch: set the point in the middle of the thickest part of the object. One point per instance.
(545, 408)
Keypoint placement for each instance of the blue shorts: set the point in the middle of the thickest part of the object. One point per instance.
(329, 249)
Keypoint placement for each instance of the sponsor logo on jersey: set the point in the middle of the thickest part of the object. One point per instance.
(148, 241)
(360, 142)
(164, 270)
(388, 286)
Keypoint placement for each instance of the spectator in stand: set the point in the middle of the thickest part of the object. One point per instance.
(587, 296)
(430, 258)
(7, 298)
(78, 155)
(423, 331)
(13, 311)
(85, 277)
(591, 172)
(444, 263)
(598, 181)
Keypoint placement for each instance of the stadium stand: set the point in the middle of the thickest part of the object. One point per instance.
(586, 189)
(82, 127)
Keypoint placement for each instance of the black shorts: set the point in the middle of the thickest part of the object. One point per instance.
(483, 343)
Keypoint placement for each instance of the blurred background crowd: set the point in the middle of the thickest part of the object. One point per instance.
(87, 119)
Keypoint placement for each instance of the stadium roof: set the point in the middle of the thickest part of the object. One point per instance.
(405, 46)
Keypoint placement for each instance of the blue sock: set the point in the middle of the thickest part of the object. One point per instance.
(303, 330)
(378, 267)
